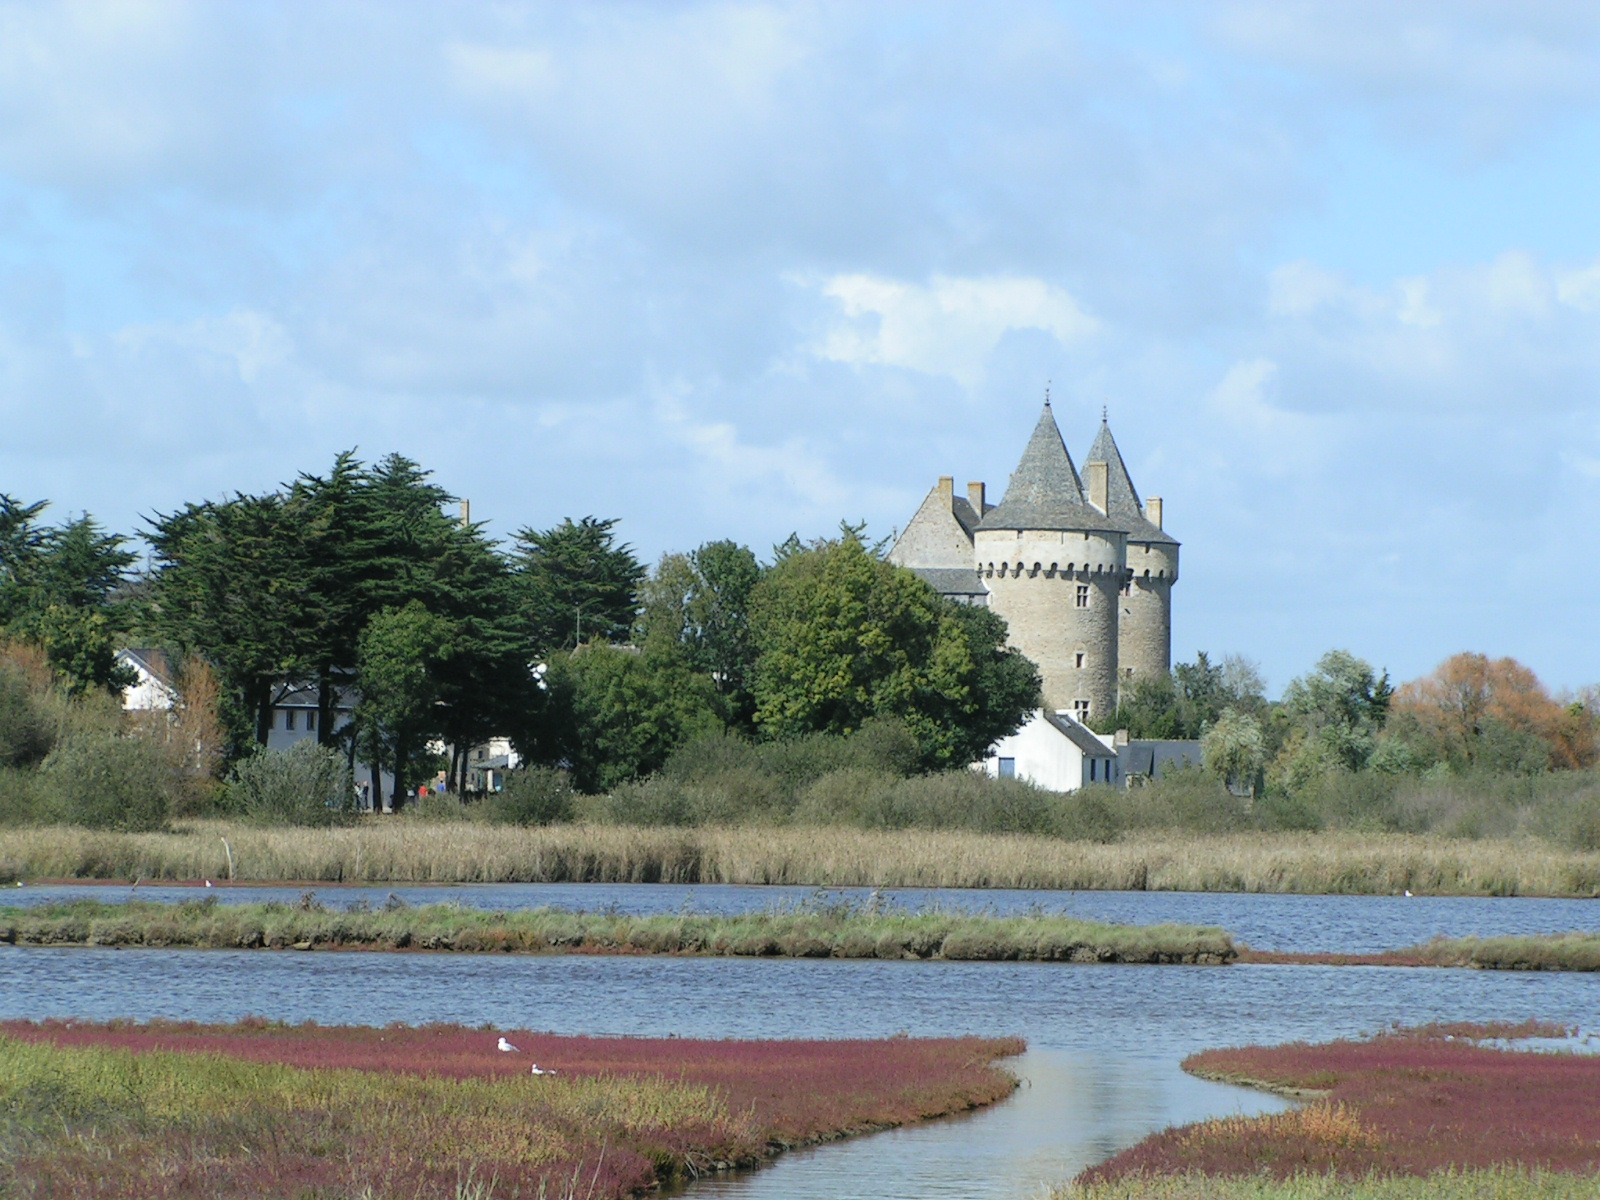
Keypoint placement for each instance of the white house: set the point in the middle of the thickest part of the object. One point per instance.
(157, 688)
(1056, 751)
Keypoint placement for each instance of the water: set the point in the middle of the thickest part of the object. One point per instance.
(1101, 1071)
(1352, 924)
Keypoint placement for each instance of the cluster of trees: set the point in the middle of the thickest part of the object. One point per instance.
(1473, 714)
(361, 584)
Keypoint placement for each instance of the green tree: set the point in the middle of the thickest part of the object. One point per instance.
(1235, 749)
(398, 660)
(701, 602)
(624, 712)
(845, 636)
(58, 590)
(233, 587)
(1189, 700)
(1341, 705)
(574, 584)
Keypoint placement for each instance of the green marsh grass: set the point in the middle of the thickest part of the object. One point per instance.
(807, 931)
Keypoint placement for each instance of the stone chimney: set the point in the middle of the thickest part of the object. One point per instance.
(975, 497)
(1152, 510)
(466, 514)
(1099, 485)
(947, 491)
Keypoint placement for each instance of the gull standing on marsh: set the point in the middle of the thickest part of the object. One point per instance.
(507, 1048)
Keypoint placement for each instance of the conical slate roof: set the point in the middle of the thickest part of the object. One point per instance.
(1122, 499)
(1044, 492)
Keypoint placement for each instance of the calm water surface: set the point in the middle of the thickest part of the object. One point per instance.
(1101, 1071)
(1354, 924)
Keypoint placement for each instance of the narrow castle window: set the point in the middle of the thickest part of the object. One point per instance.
(1080, 660)
(1083, 595)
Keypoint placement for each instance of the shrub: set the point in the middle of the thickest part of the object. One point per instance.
(653, 801)
(106, 782)
(533, 796)
(27, 733)
(306, 784)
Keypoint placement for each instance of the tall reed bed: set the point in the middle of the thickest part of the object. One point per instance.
(120, 1111)
(835, 931)
(406, 851)
(1406, 1103)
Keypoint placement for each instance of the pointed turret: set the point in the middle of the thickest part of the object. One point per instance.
(1045, 492)
(1144, 628)
(1121, 501)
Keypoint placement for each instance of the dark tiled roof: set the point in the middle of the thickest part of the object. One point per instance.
(961, 508)
(1082, 737)
(1045, 492)
(1153, 757)
(1122, 499)
(951, 581)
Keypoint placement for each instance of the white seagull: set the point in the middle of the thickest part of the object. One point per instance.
(538, 1070)
(507, 1048)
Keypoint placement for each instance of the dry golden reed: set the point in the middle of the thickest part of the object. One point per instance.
(406, 850)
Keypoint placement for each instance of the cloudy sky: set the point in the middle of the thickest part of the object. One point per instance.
(732, 270)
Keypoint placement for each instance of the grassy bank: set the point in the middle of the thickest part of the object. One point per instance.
(120, 1111)
(1578, 951)
(410, 851)
(1494, 1183)
(1409, 1103)
(838, 932)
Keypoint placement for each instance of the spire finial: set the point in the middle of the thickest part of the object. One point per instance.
(1047, 393)
(1102, 414)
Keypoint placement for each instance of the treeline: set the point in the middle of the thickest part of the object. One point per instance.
(1477, 747)
(362, 584)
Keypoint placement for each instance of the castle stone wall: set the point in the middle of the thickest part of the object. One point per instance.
(934, 538)
(1144, 630)
(1144, 634)
(1033, 579)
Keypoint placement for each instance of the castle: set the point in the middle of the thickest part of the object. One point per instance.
(1083, 575)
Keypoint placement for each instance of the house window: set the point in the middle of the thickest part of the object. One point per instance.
(1080, 709)
(288, 718)
(1083, 595)
(1008, 768)
(311, 720)
(1093, 763)
(1080, 660)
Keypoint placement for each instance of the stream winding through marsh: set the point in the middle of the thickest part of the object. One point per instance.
(1104, 1041)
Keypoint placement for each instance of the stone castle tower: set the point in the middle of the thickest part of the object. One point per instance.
(1083, 576)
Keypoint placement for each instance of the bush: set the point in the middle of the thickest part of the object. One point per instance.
(532, 796)
(27, 733)
(653, 801)
(19, 800)
(306, 784)
(106, 782)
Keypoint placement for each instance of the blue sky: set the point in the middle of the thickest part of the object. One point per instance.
(732, 270)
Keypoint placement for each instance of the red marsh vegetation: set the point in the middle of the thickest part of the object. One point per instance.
(259, 1109)
(1408, 1102)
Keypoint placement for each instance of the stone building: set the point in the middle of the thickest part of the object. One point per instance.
(1079, 566)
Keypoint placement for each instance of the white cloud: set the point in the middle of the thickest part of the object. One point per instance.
(950, 327)
(250, 342)
(1580, 289)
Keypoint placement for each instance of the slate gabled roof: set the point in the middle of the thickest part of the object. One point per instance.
(1122, 499)
(967, 516)
(1045, 492)
(1079, 734)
